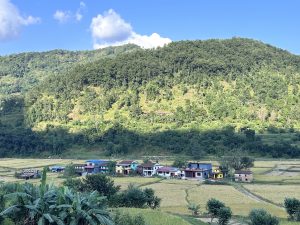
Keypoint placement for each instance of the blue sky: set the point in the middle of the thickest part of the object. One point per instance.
(40, 25)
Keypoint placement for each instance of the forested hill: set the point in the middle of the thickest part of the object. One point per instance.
(189, 97)
(20, 72)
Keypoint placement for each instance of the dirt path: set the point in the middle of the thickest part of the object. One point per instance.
(241, 189)
(255, 197)
(231, 222)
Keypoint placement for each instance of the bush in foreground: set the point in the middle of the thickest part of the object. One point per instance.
(262, 217)
(292, 207)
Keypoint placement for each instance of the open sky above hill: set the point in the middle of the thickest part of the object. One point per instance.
(87, 24)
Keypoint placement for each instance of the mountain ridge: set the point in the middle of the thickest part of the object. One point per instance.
(170, 99)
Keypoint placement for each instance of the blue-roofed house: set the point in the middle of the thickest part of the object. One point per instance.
(56, 169)
(96, 166)
(196, 170)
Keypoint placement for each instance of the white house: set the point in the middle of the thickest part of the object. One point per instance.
(148, 169)
(168, 172)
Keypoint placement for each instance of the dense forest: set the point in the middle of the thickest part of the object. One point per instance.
(196, 98)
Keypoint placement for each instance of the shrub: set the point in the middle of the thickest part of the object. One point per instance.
(224, 215)
(292, 207)
(136, 198)
(213, 206)
(70, 171)
(262, 217)
(194, 208)
(126, 219)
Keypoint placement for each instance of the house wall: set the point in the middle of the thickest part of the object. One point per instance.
(168, 174)
(134, 166)
(243, 177)
(119, 169)
(151, 170)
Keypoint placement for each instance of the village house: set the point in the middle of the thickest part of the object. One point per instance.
(148, 169)
(29, 174)
(126, 167)
(168, 172)
(104, 167)
(56, 169)
(217, 173)
(197, 170)
(243, 176)
(94, 166)
(80, 169)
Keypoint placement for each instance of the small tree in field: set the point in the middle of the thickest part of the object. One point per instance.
(213, 206)
(194, 208)
(224, 215)
(70, 171)
(292, 207)
(262, 217)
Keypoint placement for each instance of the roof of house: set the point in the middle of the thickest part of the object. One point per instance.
(167, 169)
(103, 164)
(195, 170)
(96, 161)
(79, 165)
(200, 163)
(126, 162)
(148, 164)
(243, 172)
(89, 167)
(56, 167)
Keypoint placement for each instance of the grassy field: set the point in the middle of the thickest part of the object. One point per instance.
(240, 204)
(274, 193)
(156, 217)
(34, 163)
(138, 181)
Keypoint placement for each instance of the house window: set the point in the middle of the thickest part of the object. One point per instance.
(159, 172)
(199, 174)
(167, 172)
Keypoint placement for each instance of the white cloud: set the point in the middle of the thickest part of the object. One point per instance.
(11, 21)
(66, 16)
(110, 29)
(62, 16)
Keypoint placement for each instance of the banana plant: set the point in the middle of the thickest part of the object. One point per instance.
(50, 205)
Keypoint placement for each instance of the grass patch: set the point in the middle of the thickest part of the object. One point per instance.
(156, 217)
(275, 193)
(240, 204)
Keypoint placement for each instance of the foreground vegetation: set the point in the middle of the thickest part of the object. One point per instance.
(177, 196)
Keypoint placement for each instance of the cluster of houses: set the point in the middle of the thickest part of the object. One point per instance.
(193, 170)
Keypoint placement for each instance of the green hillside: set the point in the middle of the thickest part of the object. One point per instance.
(191, 97)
